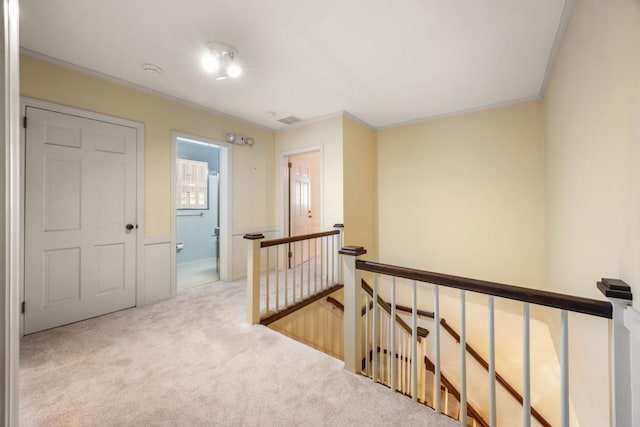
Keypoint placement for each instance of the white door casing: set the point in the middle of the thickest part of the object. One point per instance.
(80, 194)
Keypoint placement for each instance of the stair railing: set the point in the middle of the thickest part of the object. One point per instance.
(479, 359)
(399, 359)
(618, 306)
(286, 274)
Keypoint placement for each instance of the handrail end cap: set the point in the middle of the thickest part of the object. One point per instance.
(353, 250)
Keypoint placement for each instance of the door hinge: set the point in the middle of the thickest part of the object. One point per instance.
(24, 122)
(23, 306)
(290, 164)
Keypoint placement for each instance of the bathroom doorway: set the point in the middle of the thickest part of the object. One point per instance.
(197, 213)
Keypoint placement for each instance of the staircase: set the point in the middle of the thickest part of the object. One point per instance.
(409, 356)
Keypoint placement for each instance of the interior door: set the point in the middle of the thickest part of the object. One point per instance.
(301, 214)
(80, 218)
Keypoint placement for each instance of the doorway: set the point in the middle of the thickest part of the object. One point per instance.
(197, 190)
(303, 201)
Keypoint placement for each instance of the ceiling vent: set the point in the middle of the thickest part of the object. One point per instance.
(290, 120)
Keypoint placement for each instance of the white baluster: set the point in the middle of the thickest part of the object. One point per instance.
(564, 368)
(436, 344)
(374, 367)
(293, 272)
(315, 265)
(392, 327)
(309, 266)
(526, 368)
(492, 364)
(286, 275)
(267, 286)
(366, 353)
(326, 250)
(463, 358)
(333, 263)
(301, 271)
(388, 364)
(277, 249)
(401, 385)
(414, 344)
(423, 370)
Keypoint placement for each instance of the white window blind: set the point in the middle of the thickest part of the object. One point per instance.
(191, 184)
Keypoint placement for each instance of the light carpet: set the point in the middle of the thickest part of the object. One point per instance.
(193, 360)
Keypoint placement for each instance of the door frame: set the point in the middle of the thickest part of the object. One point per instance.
(284, 174)
(139, 127)
(225, 205)
(12, 218)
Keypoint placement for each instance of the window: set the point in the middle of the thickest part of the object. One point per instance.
(192, 184)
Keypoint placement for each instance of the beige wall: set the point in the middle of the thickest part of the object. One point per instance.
(465, 195)
(327, 134)
(592, 121)
(360, 186)
(253, 168)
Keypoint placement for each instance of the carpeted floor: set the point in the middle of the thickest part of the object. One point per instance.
(193, 360)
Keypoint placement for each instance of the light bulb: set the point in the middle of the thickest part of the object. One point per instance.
(210, 62)
(234, 70)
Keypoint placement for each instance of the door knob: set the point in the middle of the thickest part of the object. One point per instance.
(129, 227)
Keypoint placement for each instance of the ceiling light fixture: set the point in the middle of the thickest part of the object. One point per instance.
(221, 58)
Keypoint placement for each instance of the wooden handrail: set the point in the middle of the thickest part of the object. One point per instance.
(534, 296)
(418, 312)
(291, 239)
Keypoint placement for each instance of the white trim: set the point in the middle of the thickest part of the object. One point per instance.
(140, 240)
(557, 42)
(13, 210)
(98, 74)
(283, 173)
(226, 205)
(461, 112)
(358, 120)
(140, 140)
(157, 240)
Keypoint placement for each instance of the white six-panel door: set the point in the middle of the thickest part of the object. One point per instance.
(80, 195)
(300, 208)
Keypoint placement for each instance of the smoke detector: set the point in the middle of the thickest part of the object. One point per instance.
(152, 69)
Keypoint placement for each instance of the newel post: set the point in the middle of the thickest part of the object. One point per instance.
(619, 294)
(253, 277)
(352, 308)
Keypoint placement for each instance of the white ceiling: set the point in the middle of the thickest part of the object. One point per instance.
(386, 62)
